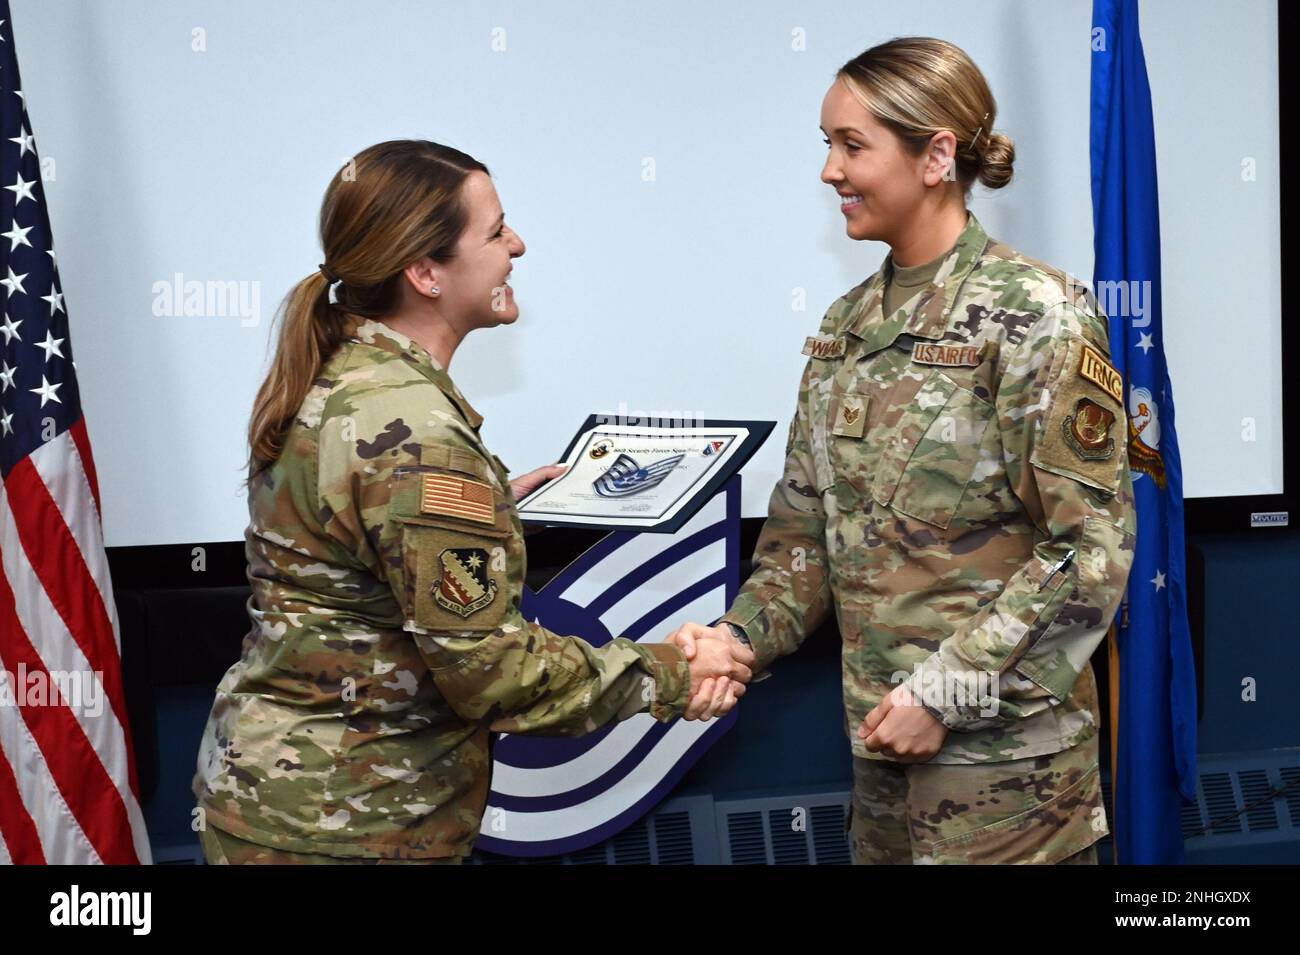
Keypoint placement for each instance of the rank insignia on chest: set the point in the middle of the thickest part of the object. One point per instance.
(937, 353)
(457, 497)
(464, 587)
(1101, 373)
(1087, 431)
(824, 346)
(851, 416)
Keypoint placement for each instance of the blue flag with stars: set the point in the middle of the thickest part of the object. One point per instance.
(1156, 758)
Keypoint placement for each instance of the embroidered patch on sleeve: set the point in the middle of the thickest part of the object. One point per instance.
(1087, 431)
(457, 497)
(1101, 373)
(1083, 435)
(464, 587)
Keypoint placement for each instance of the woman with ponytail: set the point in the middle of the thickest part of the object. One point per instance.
(956, 492)
(386, 556)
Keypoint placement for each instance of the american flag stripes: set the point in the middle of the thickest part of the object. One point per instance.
(458, 498)
(68, 791)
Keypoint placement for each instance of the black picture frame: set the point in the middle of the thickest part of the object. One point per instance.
(758, 433)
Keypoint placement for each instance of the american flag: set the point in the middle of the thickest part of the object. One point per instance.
(68, 791)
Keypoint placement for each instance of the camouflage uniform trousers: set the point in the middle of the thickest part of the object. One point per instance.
(1043, 809)
(221, 848)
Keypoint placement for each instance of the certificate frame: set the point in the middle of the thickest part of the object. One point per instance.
(686, 505)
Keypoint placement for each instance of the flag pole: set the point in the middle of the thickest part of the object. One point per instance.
(1112, 648)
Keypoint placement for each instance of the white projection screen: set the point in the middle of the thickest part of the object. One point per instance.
(661, 162)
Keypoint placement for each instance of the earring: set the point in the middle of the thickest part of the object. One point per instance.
(433, 290)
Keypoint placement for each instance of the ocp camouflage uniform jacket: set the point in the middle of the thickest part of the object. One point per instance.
(387, 564)
(942, 463)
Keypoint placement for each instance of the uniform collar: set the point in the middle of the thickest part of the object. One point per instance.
(379, 335)
(929, 317)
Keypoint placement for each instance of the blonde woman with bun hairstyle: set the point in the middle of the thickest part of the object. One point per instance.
(956, 492)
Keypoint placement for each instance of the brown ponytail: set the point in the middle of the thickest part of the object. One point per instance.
(391, 205)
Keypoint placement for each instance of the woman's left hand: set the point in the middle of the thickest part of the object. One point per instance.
(902, 728)
(526, 484)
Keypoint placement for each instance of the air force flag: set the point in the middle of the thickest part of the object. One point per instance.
(552, 796)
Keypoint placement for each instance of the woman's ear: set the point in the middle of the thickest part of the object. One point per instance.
(425, 277)
(940, 159)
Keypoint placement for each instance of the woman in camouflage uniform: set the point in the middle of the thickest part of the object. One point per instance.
(956, 492)
(386, 556)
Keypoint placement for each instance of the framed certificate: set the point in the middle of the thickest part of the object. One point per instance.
(642, 477)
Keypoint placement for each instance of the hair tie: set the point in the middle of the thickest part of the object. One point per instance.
(329, 275)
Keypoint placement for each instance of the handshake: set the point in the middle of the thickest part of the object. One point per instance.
(720, 668)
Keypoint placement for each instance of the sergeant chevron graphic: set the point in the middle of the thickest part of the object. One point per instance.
(626, 477)
(558, 795)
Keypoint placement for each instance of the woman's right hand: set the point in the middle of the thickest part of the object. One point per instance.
(526, 484)
(720, 668)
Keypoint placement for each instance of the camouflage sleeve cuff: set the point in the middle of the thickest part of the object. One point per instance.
(667, 664)
(960, 698)
(747, 614)
(917, 685)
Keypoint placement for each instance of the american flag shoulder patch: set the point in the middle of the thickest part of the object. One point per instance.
(457, 497)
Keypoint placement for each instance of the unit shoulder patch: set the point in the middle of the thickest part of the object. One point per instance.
(1087, 430)
(464, 587)
(1082, 436)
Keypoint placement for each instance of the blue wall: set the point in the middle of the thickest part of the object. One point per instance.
(1252, 629)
